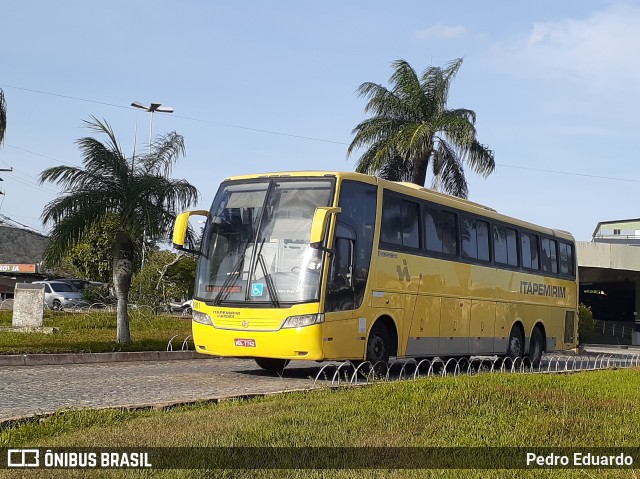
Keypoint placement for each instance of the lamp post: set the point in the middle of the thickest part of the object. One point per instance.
(152, 108)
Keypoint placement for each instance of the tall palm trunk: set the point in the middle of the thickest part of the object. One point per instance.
(122, 273)
(420, 166)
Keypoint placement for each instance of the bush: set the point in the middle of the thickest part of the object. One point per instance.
(586, 323)
(94, 293)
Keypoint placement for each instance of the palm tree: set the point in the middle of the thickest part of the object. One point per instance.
(3, 116)
(411, 128)
(137, 191)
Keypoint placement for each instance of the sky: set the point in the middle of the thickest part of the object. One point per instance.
(260, 86)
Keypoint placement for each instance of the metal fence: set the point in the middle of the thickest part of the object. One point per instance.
(620, 330)
(365, 372)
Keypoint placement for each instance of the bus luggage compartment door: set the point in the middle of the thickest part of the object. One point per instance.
(454, 326)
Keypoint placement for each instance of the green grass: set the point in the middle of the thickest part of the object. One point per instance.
(587, 409)
(83, 332)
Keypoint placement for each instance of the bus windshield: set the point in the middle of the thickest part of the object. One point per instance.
(255, 247)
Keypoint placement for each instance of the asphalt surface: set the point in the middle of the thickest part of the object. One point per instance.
(41, 388)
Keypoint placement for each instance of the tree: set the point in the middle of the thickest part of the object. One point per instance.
(165, 277)
(137, 191)
(91, 259)
(412, 128)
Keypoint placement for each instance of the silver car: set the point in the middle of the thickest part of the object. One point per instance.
(59, 295)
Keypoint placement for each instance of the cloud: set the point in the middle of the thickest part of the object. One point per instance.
(439, 31)
(600, 51)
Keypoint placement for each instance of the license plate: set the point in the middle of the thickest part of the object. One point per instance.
(246, 343)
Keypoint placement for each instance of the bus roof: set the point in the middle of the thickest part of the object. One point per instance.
(415, 191)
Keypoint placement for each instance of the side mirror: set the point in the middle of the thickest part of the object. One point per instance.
(180, 228)
(319, 224)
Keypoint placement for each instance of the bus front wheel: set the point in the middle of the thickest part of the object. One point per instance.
(378, 348)
(515, 348)
(273, 365)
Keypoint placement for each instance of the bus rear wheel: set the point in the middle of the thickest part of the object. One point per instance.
(515, 347)
(536, 347)
(273, 365)
(378, 348)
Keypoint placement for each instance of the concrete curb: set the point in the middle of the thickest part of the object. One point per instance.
(90, 358)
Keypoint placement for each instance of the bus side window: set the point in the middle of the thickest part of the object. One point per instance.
(529, 243)
(566, 260)
(549, 256)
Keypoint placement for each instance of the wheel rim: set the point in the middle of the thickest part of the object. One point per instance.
(515, 346)
(377, 349)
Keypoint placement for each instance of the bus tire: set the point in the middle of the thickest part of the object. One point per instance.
(273, 365)
(536, 347)
(378, 347)
(515, 347)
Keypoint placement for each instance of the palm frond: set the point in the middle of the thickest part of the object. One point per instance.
(407, 87)
(157, 198)
(99, 202)
(372, 130)
(396, 168)
(481, 159)
(68, 232)
(448, 171)
(165, 151)
(436, 82)
(376, 155)
(385, 103)
(104, 128)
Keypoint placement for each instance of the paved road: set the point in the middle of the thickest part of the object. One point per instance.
(27, 390)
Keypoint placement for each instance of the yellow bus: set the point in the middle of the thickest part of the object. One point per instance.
(345, 266)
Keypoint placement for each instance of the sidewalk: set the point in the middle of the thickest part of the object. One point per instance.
(87, 358)
(611, 349)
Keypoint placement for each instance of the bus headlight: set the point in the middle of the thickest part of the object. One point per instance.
(303, 320)
(202, 318)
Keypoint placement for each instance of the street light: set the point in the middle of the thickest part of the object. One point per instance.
(152, 108)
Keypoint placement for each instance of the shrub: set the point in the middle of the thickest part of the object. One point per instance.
(586, 323)
(97, 294)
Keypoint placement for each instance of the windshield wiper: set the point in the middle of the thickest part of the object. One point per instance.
(273, 294)
(235, 273)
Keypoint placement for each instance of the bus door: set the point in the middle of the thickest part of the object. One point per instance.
(340, 340)
(345, 308)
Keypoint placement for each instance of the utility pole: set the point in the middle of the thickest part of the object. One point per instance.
(4, 169)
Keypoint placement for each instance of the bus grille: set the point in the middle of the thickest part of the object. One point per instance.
(248, 324)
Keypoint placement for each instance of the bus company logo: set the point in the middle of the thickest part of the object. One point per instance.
(23, 458)
(403, 272)
(541, 289)
(245, 324)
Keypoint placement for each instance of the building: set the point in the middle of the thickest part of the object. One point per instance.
(21, 253)
(625, 232)
(609, 269)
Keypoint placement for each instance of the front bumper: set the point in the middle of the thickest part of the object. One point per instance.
(293, 343)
